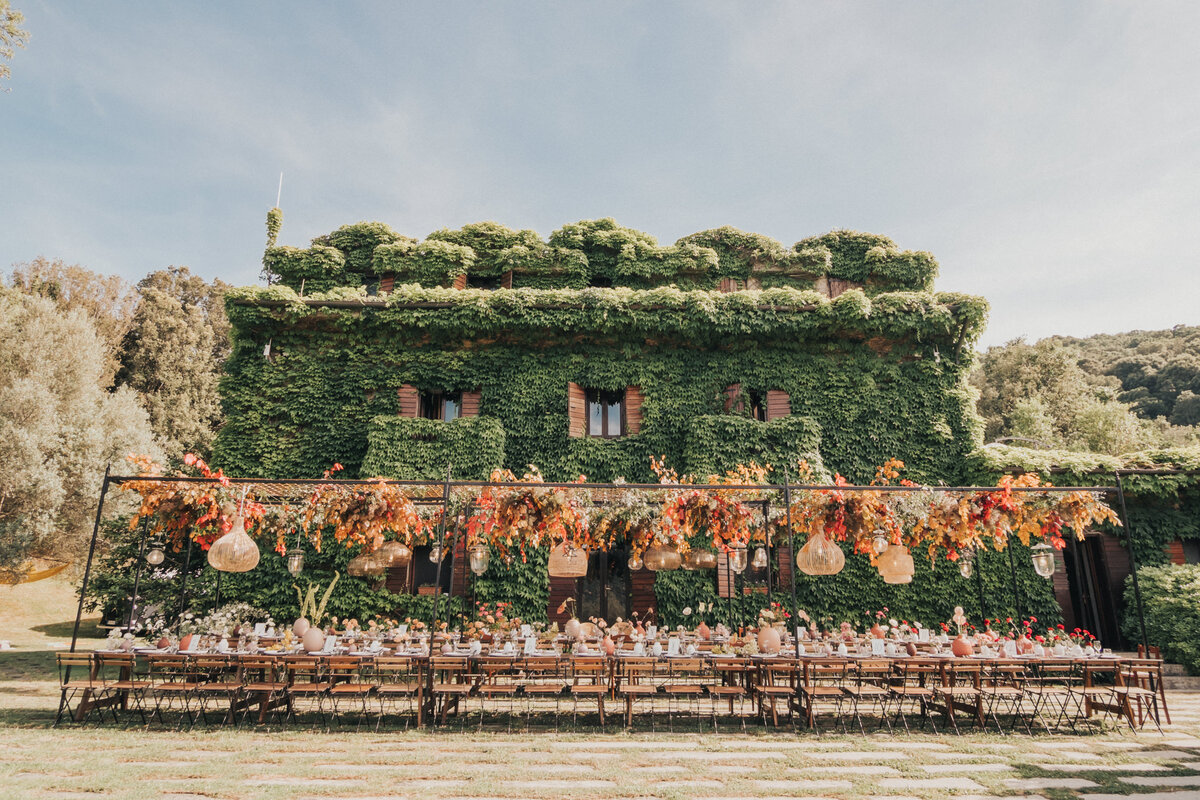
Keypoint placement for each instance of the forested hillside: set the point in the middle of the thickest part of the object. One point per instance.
(1159, 371)
(1110, 393)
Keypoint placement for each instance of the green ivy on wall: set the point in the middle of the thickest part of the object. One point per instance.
(423, 448)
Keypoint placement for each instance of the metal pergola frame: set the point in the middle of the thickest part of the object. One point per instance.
(448, 485)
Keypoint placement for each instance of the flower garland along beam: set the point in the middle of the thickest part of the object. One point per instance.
(514, 516)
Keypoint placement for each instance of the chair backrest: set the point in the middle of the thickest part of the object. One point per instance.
(1100, 673)
(590, 670)
(450, 669)
(875, 672)
(304, 669)
(824, 671)
(115, 666)
(634, 670)
(344, 669)
(257, 669)
(961, 672)
(80, 663)
(168, 667)
(397, 669)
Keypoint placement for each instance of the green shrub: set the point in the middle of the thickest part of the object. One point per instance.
(1171, 599)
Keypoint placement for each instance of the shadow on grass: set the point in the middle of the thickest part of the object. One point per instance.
(28, 665)
(88, 629)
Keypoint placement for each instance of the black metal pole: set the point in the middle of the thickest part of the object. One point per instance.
(1012, 565)
(979, 580)
(437, 589)
(787, 504)
(1133, 566)
(137, 576)
(767, 542)
(187, 567)
(87, 570)
(217, 604)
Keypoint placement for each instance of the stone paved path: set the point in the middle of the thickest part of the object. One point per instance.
(238, 765)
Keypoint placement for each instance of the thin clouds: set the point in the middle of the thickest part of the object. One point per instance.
(1045, 154)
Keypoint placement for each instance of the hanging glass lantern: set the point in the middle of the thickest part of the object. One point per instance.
(686, 563)
(1043, 559)
(739, 559)
(366, 565)
(235, 551)
(700, 559)
(966, 563)
(295, 561)
(761, 560)
(896, 565)
(880, 543)
(155, 555)
(435, 552)
(661, 559)
(394, 554)
(635, 563)
(479, 555)
(567, 562)
(820, 555)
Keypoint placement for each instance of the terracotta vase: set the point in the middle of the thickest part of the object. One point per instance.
(571, 629)
(703, 631)
(768, 639)
(1024, 645)
(911, 648)
(610, 646)
(640, 630)
(877, 631)
(300, 626)
(313, 640)
(164, 643)
(961, 647)
(186, 642)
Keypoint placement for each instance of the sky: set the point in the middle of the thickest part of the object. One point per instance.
(1047, 153)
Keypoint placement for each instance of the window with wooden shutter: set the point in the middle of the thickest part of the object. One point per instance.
(576, 410)
(732, 396)
(838, 285)
(470, 403)
(410, 400)
(779, 404)
(460, 282)
(728, 285)
(387, 283)
(724, 577)
(633, 409)
(506, 281)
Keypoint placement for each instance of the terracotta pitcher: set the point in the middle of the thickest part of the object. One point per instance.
(961, 647)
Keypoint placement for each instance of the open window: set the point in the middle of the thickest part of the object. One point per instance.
(444, 406)
(603, 413)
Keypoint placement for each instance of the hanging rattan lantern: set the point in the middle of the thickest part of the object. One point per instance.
(567, 562)
(479, 556)
(1043, 559)
(820, 556)
(896, 565)
(366, 565)
(761, 560)
(235, 551)
(739, 559)
(661, 559)
(394, 554)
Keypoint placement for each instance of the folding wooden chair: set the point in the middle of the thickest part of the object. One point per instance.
(1002, 686)
(591, 679)
(79, 684)
(685, 684)
(959, 691)
(173, 686)
(217, 679)
(821, 687)
(1143, 680)
(307, 683)
(452, 684)
(913, 684)
(400, 680)
(869, 682)
(122, 685)
(543, 680)
(350, 682)
(263, 687)
(635, 681)
(730, 683)
(498, 685)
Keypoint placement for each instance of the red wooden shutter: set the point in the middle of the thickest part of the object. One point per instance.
(728, 285)
(731, 397)
(633, 409)
(779, 404)
(783, 577)
(460, 282)
(410, 400)
(387, 283)
(838, 285)
(506, 281)
(470, 403)
(576, 411)
(724, 577)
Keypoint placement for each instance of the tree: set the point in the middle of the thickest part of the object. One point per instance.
(59, 427)
(171, 361)
(11, 35)
(192, 290)
(108, 300)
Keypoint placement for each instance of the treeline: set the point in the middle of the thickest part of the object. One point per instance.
(93, 368)
(1110, 393)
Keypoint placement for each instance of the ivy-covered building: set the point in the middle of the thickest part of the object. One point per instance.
(588, 352)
